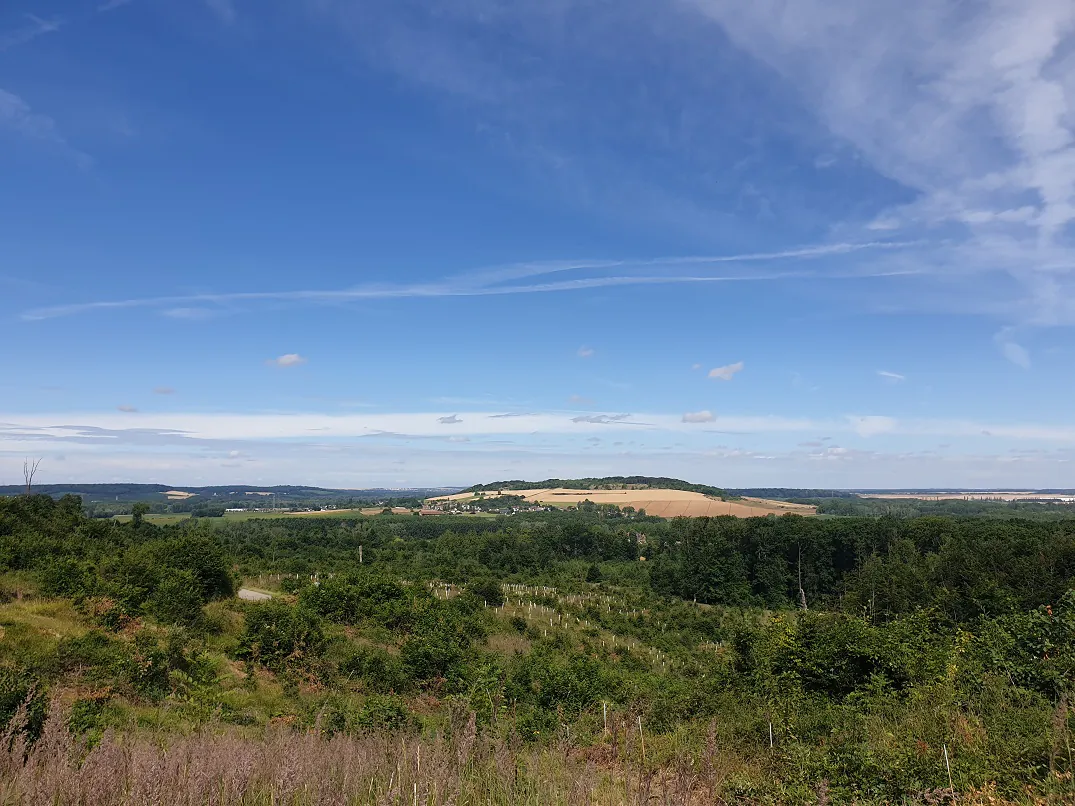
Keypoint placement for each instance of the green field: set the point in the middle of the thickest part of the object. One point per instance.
(170, 519)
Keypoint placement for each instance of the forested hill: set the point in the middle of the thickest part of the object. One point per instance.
(603, 483)
(157, 492)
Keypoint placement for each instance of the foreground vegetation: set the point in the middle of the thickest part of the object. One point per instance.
(560, 657)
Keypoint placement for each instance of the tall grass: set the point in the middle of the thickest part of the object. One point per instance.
(284, 767)
(303, 768)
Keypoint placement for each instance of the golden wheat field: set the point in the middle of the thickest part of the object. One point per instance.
(663, 503)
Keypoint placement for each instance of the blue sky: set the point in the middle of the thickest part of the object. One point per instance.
(394, 243)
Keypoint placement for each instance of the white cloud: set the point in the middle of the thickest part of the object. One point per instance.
(968, 106)
(726, 373)
(600, 419)
(580, 400)
(353, 450)
(871, 426)
(288, 360)
(891, 377)
(698, 417)
(696, 367)
(1016, 353)
(163, 390)
(126, 409)
(586, 352)
(1012, 350)
(449, 420)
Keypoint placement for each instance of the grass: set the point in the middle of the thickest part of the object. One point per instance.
(54, 617)
(170, 519)
(458, 764)
(165, 519)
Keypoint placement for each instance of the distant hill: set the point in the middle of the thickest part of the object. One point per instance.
(604, 483)
(784, 493)
(150, 493)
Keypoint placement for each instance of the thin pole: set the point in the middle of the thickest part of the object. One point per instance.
(642, 739)
(770, 735)
(948, 764)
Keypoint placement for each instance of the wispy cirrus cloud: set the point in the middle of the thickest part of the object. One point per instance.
(990, 191)
(891, 377)
(35, 26)
(16, 115)
(585, 352)
(994, 180)
(504, 281)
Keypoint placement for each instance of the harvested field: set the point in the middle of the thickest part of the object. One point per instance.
(177, 495)
(662, 503)
(378, 511)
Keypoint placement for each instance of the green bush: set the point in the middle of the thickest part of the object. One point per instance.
(378, 671)
(488, 590)
(177, 599)
(277, 634)
(383, 713)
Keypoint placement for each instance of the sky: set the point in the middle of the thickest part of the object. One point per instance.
(396, 243)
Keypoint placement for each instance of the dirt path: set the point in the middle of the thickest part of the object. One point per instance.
(248, 595)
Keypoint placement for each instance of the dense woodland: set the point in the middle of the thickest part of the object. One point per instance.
(763, 660)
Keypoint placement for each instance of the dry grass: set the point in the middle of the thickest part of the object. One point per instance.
(507, 644)
(307, 768)
(215, 767)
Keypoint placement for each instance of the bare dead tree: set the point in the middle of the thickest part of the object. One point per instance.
(29, 469)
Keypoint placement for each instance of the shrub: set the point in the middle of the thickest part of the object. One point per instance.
(377, 670)
(278, 634)
(380, 712)
(177, 599)
(488, 590)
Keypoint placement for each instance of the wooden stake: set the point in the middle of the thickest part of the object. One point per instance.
(948, 764)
